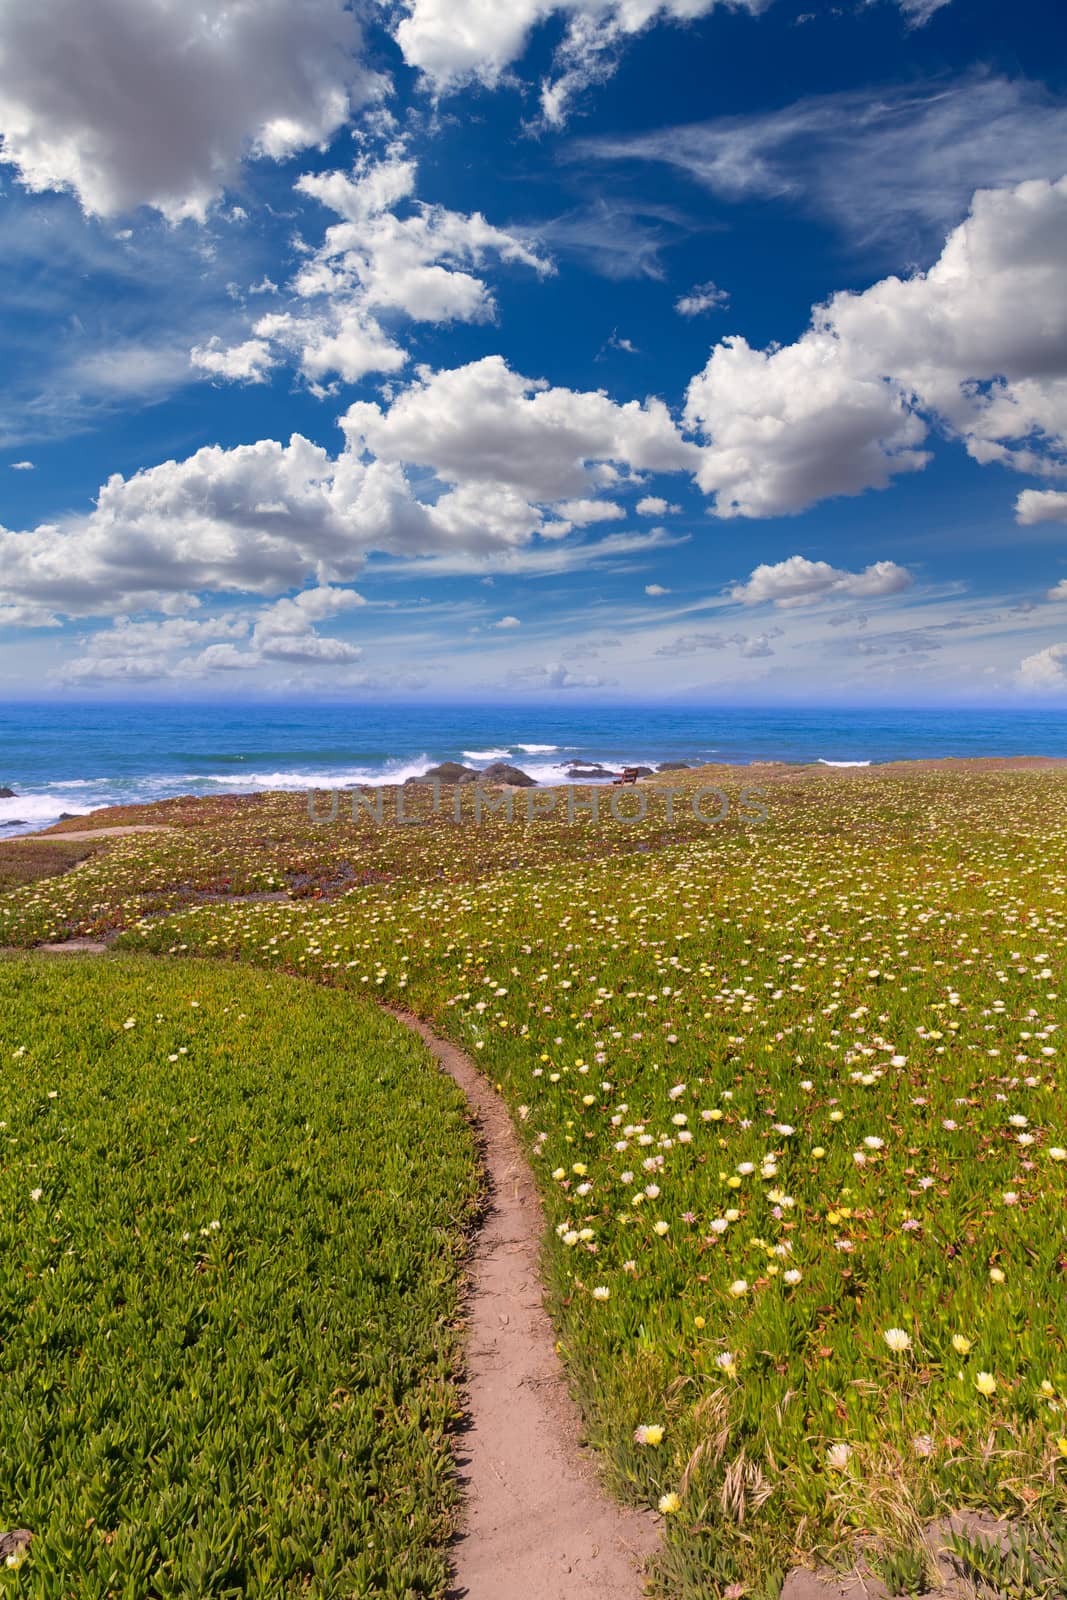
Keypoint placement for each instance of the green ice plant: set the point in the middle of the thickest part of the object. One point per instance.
(233, 1213)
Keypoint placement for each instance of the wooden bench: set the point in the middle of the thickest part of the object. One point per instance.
(629, 775)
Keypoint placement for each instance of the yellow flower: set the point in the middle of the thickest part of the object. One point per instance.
(985, 1383)
(669, 1503)
(698, 1322)
(961, 1345)
(818, 1152)
(1061, 1446)
(995, 1275)
(649, 1433)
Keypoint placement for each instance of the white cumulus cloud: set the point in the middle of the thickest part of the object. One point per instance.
(249, 362)
(156, 102)
(390, 253)
(1044, 671)
(582, 512)
(978, 342)
(1041, 505)
(462, 465)
(702, 297)
(798, 581)
(456, 41)
(484, 423)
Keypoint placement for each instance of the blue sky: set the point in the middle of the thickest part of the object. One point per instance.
(515, 348)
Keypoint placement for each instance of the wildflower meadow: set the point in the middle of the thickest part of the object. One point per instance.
(793, 1092)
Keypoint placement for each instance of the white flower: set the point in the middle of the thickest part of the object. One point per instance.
(738, 1288)
(792, 1276)
(837, 1457)
(601, 1292)
(35, 1194)
(897, 1340)
(873, 1142)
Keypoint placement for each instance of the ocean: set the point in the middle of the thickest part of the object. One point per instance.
(73, 758)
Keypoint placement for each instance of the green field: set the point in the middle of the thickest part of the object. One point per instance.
(233, 1211)
(794, 1092)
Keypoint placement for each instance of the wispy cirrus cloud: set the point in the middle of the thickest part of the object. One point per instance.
(900, 163)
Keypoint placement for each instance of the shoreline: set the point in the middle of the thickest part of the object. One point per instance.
(690, 776)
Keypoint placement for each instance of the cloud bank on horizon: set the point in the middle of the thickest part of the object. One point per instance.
(482, 308)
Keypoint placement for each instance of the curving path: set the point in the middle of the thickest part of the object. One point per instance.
(537, 1525)
(115, 832)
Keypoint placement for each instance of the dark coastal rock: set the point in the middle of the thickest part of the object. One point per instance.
(642, 772)
(674, 766)
(14, 822)
(589, 769)
(504, 772)
(6, 793)
(67, 816)
(448, 772)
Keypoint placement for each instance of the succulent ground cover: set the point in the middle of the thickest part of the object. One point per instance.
(794, 1090)
(233, 1211)
(27, 861)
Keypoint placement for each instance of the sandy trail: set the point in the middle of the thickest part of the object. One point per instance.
(96, 833)
(537, 1526)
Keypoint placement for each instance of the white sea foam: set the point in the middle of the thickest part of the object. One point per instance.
(488, 755)
(27, 811)
(391, 772)
(537, 749)
(824, 763)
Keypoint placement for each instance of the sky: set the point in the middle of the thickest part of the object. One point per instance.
(698, 350)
